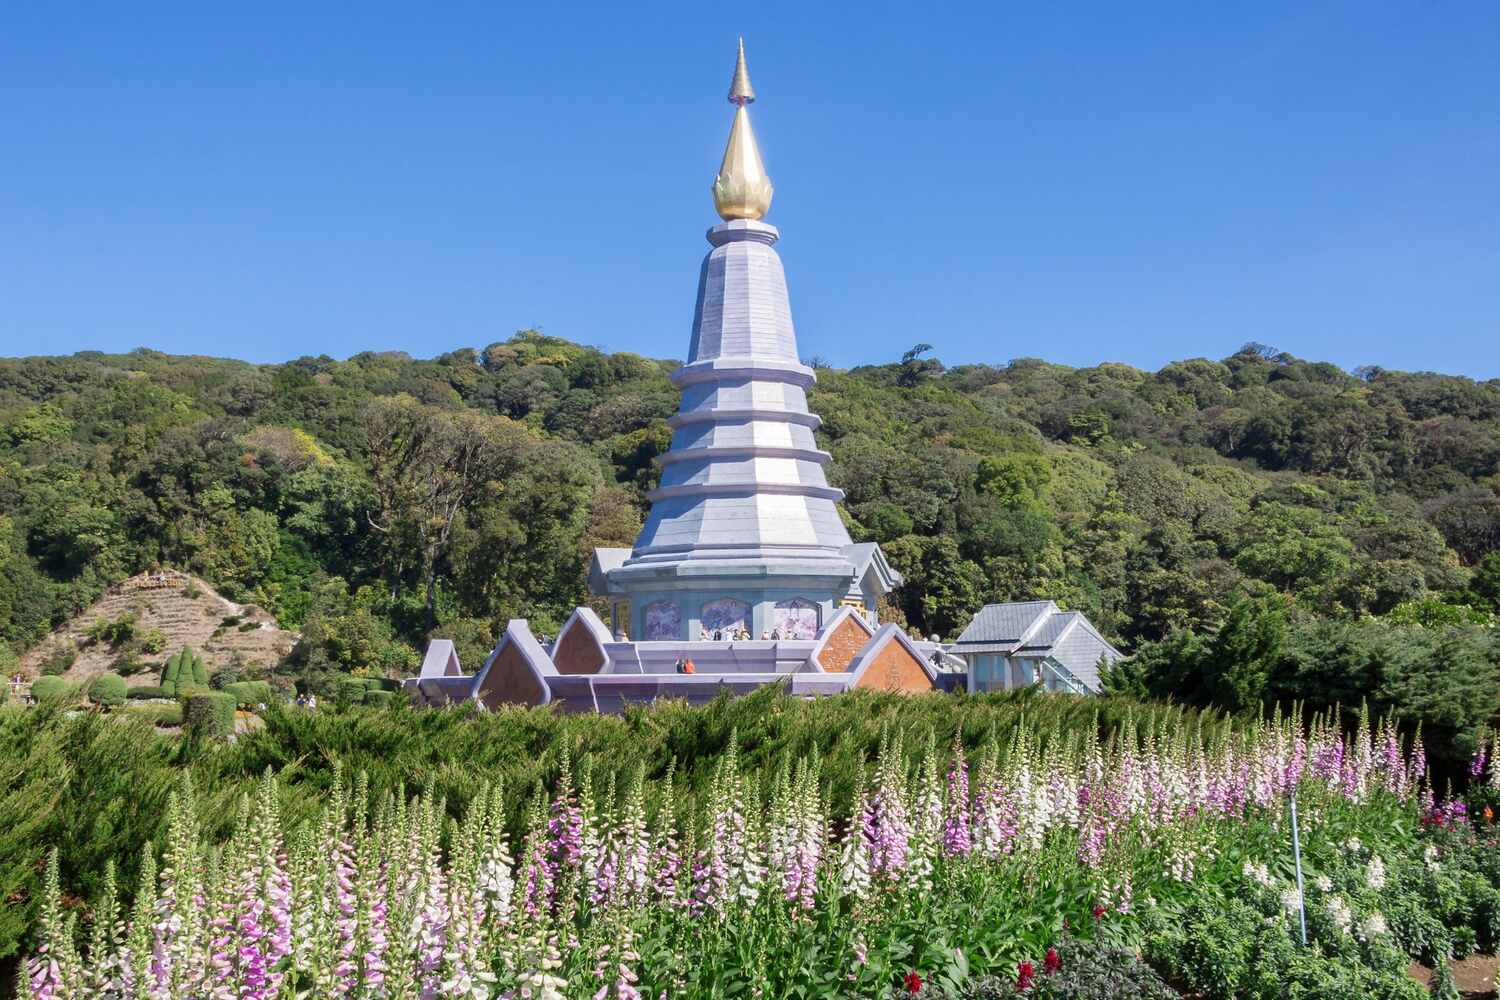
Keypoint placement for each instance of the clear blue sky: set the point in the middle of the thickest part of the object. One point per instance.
(1128, 182)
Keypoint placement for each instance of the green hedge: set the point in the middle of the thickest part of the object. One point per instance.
(136, 694)
(250, 693)
(107, 691)
(157, 715)
(208, 715)
(353, 690)
(53, 689)
(378, 699)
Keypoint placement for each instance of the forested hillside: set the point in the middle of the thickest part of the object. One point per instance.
(371, 501)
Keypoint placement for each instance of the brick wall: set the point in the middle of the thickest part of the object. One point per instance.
(843, 645)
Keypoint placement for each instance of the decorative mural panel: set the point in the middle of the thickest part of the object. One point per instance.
(796, 619)
(662, 620)
(725, 615)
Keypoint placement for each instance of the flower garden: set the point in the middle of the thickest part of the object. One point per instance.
(1154, 861)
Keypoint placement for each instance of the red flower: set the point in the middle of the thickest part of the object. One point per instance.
(913, 982)
(1025, 973)
(1098, 911)
(1052, 963)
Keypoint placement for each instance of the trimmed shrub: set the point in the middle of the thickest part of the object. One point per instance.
(53, 689)
(157, 715)
(380, 699)
(250, 693)
(208, 715)
(382, 684)
(183, 669)
(107, 691)
(199, 668)
(352, 690)
(136, 694)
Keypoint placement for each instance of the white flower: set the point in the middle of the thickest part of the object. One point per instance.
(1258, 873)
(1339, 912)
(1430, 855)
(1324, 883)
(1372, 926)
(1375, 874)
(1291, 900)
(1353, 845)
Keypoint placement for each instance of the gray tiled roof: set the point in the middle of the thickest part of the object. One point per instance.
(1004, 623)
(1047, 632)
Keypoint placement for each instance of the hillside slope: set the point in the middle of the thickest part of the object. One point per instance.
(370, 501)
(181, 610)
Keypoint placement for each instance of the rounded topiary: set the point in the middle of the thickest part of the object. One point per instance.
(208, 714)
(108, 691)
(52, 689)
(353, 690)
(380, 699)
(138, 693)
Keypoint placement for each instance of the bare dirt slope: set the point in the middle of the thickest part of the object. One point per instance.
(186, 610)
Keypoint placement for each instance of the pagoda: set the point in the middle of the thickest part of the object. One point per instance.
(744, 533)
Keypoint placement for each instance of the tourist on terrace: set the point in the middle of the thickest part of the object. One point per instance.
(687, 666)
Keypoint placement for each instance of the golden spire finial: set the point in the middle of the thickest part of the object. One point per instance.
(742, 190)
(740, 91)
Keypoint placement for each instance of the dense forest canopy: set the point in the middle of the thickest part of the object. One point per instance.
(374, 501)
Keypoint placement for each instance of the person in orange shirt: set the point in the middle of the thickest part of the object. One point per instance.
(687, 666)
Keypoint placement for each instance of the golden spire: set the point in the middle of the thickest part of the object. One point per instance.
(742, 190)
(740, 91)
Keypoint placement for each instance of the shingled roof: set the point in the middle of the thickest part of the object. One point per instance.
(1039, 630)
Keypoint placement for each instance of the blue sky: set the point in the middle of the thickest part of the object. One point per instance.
(1081, 183)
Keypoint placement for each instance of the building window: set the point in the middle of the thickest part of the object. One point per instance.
(796, 619)
(725, 615)
(661, 620)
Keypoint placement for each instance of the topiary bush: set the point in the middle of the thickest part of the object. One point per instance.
(184, 669)
(139, 693)
(53, 689)
(352, 690)
(378, 699)
(250, 693)
(107, 691)
(208, 715)
(157, 715)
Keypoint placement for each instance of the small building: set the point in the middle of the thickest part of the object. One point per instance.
(586, 670)
(1033, 642)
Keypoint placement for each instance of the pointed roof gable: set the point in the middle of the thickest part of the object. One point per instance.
(440, 660)
(517, 651)
(890, 634)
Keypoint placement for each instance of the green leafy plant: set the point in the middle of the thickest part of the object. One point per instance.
(208, 715)
(45, 689)
(58, 663)
(107, 691)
